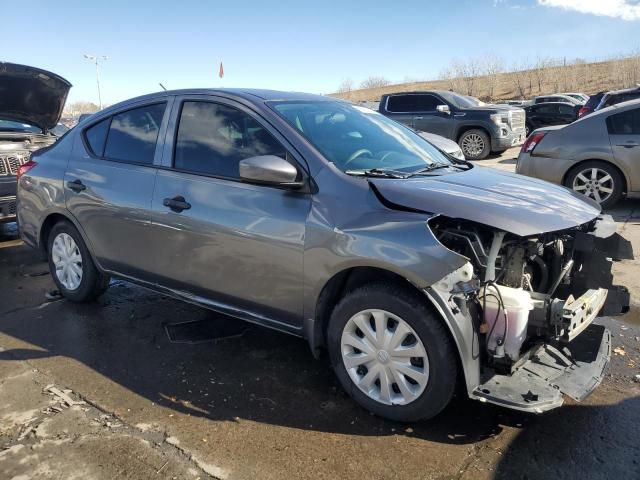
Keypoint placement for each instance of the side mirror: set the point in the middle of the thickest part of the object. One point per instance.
(443, 109)
(269, 170)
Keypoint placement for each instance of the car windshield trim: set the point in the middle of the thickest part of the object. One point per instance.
(357, 139)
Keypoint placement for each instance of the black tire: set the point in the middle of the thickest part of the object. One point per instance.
(431, 331)
(475, 137)
(616, 178)
(93, 283)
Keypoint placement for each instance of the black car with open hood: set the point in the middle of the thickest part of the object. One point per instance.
(31, 103)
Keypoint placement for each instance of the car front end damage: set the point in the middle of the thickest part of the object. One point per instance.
(521, 309)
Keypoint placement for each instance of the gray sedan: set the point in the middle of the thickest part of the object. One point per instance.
(597, 155)
(417, 271)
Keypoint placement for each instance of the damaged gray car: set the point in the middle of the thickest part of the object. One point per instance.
(416, 271)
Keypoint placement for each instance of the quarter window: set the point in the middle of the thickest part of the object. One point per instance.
(133, 134)
(213, 138)
(412, 103)
(624, 123)
(96, 135)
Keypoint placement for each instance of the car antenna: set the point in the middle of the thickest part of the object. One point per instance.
(162, 86)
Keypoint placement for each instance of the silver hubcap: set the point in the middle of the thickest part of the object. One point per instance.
(67, 260)
(473, 144)
(384, 357)
(594, 183)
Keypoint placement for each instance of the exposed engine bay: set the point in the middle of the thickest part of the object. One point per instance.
(533, 296)
(547, 287)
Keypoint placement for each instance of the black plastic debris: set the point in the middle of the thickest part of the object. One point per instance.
(213, 329)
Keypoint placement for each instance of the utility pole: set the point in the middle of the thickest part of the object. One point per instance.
(95, 59)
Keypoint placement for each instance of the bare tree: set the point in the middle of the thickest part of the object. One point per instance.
(345, 86)
(374, 82)
(76, 108)
(491, 68)
(520, 77)
(453, 83)
(541, 72)
(468, 72)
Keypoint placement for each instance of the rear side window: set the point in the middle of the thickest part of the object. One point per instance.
(566, 109)
(624, 123)
(547, 109)
(96, 136)
(412, 103)
(133, 134)
(213, 138)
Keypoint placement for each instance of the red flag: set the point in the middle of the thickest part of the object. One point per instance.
(221, 72)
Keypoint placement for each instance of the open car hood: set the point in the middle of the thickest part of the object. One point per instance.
(31, 95)
(514, 203)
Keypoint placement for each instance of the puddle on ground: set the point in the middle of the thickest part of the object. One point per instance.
(217, 327)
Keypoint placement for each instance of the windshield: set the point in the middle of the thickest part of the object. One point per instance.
(11, 126)
(357, 138)
(460, 101)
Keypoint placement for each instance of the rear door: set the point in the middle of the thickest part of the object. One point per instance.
(624, 135)
(238, 245)
(109, 185)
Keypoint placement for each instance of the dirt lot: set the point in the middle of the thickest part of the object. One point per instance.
(99, 391)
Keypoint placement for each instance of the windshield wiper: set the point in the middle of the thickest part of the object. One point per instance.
(378, 172)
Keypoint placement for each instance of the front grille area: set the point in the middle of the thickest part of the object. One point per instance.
(517, 120)
(10, 162)
(7, 207)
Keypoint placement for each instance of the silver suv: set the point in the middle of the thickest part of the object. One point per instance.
(415, 270)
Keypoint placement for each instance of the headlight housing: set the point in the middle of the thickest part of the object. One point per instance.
(499, 118)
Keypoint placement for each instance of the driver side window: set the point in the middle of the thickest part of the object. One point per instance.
(212, 139)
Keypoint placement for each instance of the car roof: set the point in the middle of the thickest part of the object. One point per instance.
(622, 91)
(551, 103)
(622, 106)
(252, 95)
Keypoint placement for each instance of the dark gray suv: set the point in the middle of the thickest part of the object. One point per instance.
(416, 271)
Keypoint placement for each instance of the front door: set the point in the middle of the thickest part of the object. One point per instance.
(109, 186)
(429, 119)
(624, 135)
(236, 244)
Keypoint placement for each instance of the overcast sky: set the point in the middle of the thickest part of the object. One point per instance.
(299, 45)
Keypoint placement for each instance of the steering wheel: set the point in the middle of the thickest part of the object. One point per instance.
(358, 154)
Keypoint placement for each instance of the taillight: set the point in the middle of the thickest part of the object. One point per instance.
(22, 169)
(582, 111)
(532, 141)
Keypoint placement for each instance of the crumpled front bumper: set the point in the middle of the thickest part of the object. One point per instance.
(551, 371)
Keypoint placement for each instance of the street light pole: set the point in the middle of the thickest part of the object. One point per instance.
(96, 60)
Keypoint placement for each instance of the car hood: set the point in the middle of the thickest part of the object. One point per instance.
(514, 203)
(31, 95)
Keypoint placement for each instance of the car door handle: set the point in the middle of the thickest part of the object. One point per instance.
(176, 204)
(629, 145)
(418, 118)
(76, 185)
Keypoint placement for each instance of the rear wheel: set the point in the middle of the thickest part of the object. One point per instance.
(475, 144)
(71, 266)
(598, 180)
(391, 353)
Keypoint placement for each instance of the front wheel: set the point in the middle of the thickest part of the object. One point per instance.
(71, 266)
(597, 180)
(391, 353)
(475, 144)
